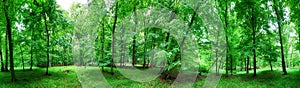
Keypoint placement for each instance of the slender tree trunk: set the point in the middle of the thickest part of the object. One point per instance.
(287, 52)
(280, 36)
(245, 60)
(271, 65)
(248, 63)
(1, 59)
(291, 61)
(31, 51)
(227, 42)
(23, 65)
(102, 41)
(187, 32)
(6, 53)
(113, 38)
(254, 41)
(48, 42)
(8, 27)
(145, 47)
(134, 41)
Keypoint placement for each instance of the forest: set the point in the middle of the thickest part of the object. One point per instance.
(149, 43)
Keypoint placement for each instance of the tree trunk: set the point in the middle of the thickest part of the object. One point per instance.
(248, 63)
(6, 53)
(102, 41)
(280, 36)
(113, 38)
(134, 41)
(245, 64)
(23, 65)
(31, 52)
(145, 47)
(254, 41)
(10, 44)
(291, 61)
(48, 42)
(271, 65)
(226, 36)
(1, 59)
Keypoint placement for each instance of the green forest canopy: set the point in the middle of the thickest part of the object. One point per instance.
(230, 35)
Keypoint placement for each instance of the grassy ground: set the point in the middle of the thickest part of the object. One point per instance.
(66, 77)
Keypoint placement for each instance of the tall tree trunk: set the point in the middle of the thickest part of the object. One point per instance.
(245, 60)
(254, 41)
(23, 65)
(10, 44)
(248, 63)
(31, 51)
(113, 38)
(6, 52)
(280, 36)
(270, 62)
(134, 41)
(291, 61)
(145, 47)
(186, 33)
(102, 42)
(48, 42)
(226, 36)
(1, 59)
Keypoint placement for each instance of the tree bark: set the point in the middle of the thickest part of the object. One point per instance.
(1, 59)
(6, 53)
(134, 41)
(280, 36)
(271, 65)
(10, 44)
(48, 42)
(248, 62)
(145, 47)
(102, 42)
(31, 51)
(113, 38)
(254, 40)
(23, 65)
(227, 42)
(245, 60)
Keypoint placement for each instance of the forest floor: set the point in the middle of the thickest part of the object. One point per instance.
(66, 77)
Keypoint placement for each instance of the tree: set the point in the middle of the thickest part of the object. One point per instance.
(8, 27)
(1, 56)
(279, 19)
(113, 37)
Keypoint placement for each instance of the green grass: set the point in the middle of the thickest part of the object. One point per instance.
(61, 79)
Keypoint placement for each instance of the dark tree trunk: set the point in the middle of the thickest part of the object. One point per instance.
(134, 40)
(245, 64)
(48, 43)
(31, 51)
(113, 38)
(280, 36)
(10, 43)
(248, 63)
(227, 42)
(254, 41)
(6, 53)
(102, 42)
(145, 47)
(271, 65)
(23, 65)
(187, 32)
(1, 59)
